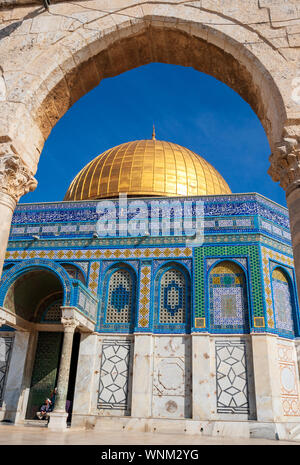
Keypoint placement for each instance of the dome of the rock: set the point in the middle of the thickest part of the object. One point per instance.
(147, 168)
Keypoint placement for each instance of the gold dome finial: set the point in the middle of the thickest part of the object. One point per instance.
(153, 133)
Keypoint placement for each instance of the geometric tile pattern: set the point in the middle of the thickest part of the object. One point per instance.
(230, 251)
(231, 377)
(289, 382)
(53, 312)
(212, 261)
(144, 302)
(94, 277)
(44, 374)
(228, 297)
(267, 255)
(114, 374)
(75, 254)
(5, 350)
(119, 297)
(172, 297)
(74, 272)
(282, 302)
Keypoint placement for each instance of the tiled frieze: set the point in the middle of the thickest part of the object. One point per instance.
(92, 254)
(85, 212)
(289, 379)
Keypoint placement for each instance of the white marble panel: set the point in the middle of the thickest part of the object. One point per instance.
(172, 377)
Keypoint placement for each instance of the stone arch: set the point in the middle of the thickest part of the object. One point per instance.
(229, 305)
(232, 51)
(57, 279)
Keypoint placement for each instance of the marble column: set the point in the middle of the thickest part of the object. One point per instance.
(58, 417)
(142, 376)
(201, 376)
(285, 169)
(266, 378)
(7, 206)
(15, 181)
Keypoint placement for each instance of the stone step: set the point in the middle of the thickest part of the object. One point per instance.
(36, 423)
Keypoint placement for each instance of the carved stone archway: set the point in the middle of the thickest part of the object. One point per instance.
(51, 57)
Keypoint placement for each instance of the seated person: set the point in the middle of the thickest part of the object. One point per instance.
(43, 413)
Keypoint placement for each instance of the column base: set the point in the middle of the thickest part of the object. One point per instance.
(58, 421)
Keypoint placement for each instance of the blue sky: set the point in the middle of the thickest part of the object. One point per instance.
(188, 107)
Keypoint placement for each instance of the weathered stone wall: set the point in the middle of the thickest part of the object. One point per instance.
(51, 58)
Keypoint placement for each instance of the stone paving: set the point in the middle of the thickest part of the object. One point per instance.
(20, 435)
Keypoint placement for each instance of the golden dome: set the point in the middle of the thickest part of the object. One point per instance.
(147, 168)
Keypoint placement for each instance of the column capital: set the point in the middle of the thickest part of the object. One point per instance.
(69, 324)
(285, 160)
(15, 178)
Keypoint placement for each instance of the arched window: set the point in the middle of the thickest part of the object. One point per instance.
(172, 302)
(172, 297)
(50, 309)
(120, 297)
(283, 302)
(228, 302)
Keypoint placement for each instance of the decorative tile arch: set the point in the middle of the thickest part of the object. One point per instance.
(75, 271)
(118, 309)
(28, 265)
(172, 299)
(283, 301)
(228, 297)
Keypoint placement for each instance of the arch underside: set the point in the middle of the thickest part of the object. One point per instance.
(162, 45)
(27, 295)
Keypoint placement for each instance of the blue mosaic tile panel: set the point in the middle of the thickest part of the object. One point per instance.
(119, 298)
(283, 303)
(172, 297)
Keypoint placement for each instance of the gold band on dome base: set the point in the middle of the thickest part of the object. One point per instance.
(147, 168)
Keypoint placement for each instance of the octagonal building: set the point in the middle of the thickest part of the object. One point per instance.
(152, 298)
